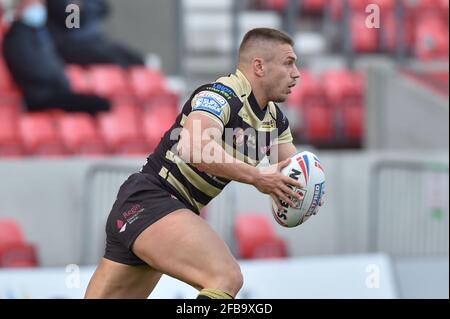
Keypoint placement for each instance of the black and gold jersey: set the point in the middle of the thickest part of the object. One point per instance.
(248, 134)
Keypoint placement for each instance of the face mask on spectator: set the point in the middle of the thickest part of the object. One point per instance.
(35, 15)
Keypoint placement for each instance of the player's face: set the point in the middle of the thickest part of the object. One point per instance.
(282, 73)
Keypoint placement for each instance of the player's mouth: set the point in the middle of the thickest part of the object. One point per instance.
(290, 87)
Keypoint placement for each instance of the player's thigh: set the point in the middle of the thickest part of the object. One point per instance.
(116, 280)
(184, 246)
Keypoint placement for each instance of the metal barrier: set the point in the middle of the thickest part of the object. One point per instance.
(409, 209)
(102, 182)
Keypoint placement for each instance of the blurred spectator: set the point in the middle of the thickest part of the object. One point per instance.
(34, 64)
(87, 44)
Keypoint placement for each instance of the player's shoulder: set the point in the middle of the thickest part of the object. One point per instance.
(218, 92)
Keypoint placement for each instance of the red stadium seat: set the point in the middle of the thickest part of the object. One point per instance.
(363, 39)
(10, 232)
(422, 5)
(10, 138)
(157, 122)
(353, 122)
(14, 250)
(109, 80)
(270, 248)
(80, 136)
(7, 84)
(255, 237)
(40, 135)
(79, 79)
(122, 133)
(432, 39)
(19, 255)
(389, 26)
(313, 5)
(145, 82)
(308, 91)
(358, 6)
(277, 5)
(343, 87)
(318, 124)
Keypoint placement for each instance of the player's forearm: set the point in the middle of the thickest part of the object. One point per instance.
(231, 168)
(211, 158)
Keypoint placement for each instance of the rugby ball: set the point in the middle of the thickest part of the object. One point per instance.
(307, 169)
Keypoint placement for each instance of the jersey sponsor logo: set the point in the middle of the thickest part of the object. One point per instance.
(209, 101)
(269, 124)
(223, 90)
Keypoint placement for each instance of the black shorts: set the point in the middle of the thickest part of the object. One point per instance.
(141, 201)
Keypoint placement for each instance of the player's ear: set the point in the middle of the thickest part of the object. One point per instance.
(258, 67)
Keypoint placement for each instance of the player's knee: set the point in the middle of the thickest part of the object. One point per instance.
(238, 279)
(232, 278)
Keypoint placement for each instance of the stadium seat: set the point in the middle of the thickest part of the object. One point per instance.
(318, 124)
(358, 6)
(40, 135)
(277, 5)
(270, 248)
(19, 255)
(422, 5)
(80, 136)
(108, 80)
(255, 238)
(145, 82)
(7, 84)
(353, 122)
(157, 122)
(79, 79)
(343, 87)
(363, 39)
(313, 6)
(14, 250)
(122, 132)
(308, 91)
(10, 139)
(10, 232)
(432, 39)
(388, 31)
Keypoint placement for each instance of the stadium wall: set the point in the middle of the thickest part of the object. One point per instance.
(47, 198)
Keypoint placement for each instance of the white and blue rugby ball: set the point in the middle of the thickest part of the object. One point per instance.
(307, 169)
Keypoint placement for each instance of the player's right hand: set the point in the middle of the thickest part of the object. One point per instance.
(271, 181)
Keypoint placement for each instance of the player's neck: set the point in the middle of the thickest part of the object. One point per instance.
(260, 96)
(257, 89)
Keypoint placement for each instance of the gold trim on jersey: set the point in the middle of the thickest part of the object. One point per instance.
(183, 120)
(196, 180)
(285, 137)
(164, 173)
